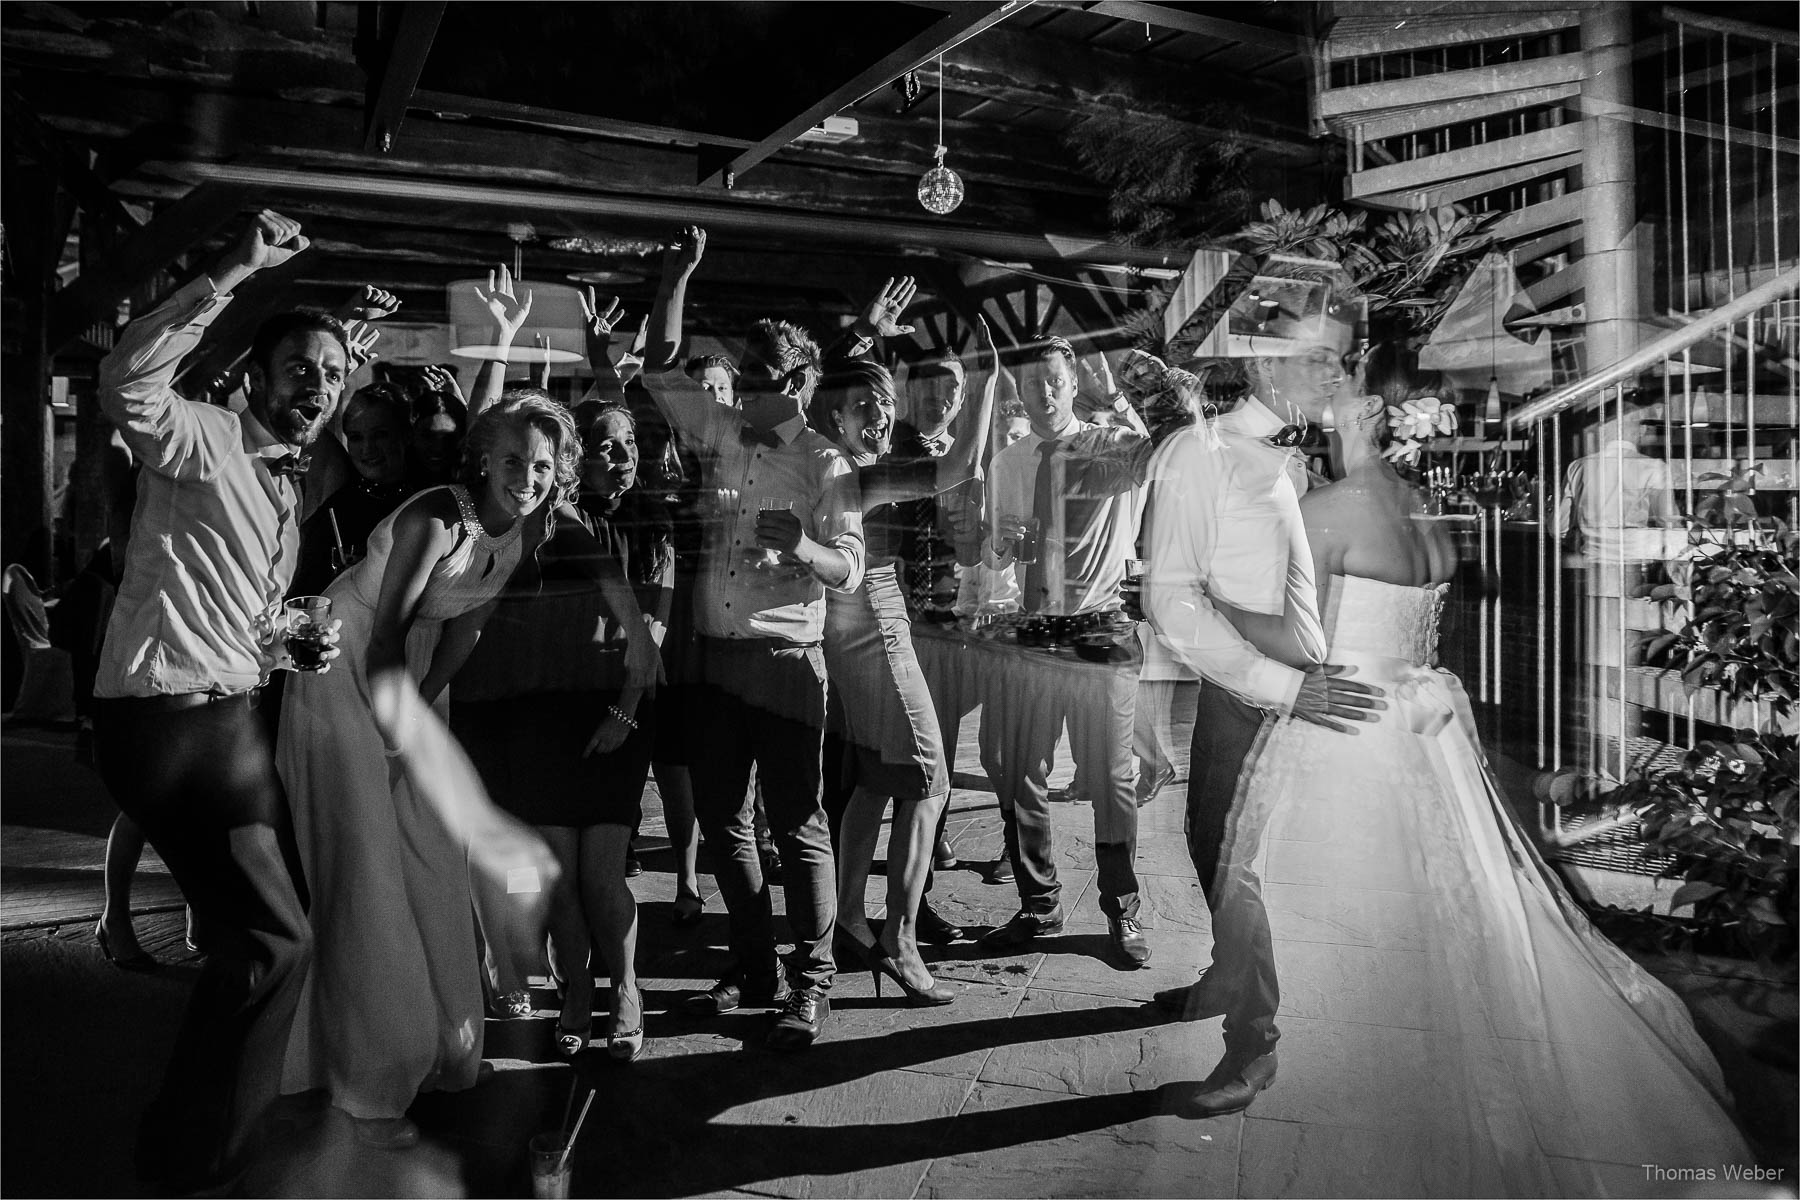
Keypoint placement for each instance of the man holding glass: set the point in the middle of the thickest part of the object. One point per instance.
(787, 525)
(193, 637)
(1066, 501)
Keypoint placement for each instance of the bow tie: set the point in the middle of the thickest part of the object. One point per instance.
(750, 437)
(1287, 437)
(936, 447)
(288, 466)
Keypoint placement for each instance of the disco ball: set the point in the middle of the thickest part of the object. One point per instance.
(940, 189)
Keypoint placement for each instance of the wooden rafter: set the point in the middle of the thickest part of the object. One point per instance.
(392, 80)
(951, 30)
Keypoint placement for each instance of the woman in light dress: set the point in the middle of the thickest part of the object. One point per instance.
(393, 1003)
(1518, 1051)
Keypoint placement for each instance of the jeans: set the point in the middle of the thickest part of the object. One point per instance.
(763, 703)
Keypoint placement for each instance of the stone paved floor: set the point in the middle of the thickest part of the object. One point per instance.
(1040, 1080)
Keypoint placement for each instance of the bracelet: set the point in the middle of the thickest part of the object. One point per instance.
(618, 712)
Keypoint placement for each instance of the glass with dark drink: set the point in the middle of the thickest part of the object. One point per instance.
(307, 617)
(1131, 588)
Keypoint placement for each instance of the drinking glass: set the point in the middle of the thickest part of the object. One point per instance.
(307, 617)
(761, 559)
(1131, 589)
(1024, 534)
(550, 1167)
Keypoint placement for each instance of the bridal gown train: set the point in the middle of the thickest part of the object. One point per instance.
(392, 1005)
(1498, 1038)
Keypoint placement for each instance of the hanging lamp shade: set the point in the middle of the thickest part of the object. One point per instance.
(940, 188)
(555, 313)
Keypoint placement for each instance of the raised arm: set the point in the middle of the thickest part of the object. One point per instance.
(668, 312)
(162, 430)
(510, 312)
(599, 329)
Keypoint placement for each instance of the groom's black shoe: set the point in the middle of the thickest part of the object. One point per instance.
(734, 992)
(1023, 929)
(1195, 1002)
(1231, 1087)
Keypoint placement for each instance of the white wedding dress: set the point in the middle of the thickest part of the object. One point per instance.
(1475, 1021)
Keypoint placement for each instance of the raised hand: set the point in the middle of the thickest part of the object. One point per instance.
(509, 311)
(369, 303)
(599, 324)
(270, 240)
(542, 341)
(1326, 698)
(361, 337)
(631, 363)
(437, 379)
(1098, 380)
(882, 316)
(686, 251)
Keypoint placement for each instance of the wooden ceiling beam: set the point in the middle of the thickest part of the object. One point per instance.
(393, 78)
(170, 234)
(945, 34)
(1162, 16)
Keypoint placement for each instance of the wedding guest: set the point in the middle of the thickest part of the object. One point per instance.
(1231, 596)
(558, 728)
(763, 699)
(440, 420)
(389, 864)
(1071, 491)
(213, 543)
(377, 428)
(893, 747)
(717, 374)
(667, 498)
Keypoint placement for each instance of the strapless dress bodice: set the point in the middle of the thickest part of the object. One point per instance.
(1368, 619)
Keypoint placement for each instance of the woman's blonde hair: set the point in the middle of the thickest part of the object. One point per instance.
(520, 409)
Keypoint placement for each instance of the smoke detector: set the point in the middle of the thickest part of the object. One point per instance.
(830, 132)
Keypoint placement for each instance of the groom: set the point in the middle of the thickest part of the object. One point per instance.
(1230, 595)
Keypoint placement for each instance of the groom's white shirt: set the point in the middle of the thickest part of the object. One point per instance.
(1224, 522)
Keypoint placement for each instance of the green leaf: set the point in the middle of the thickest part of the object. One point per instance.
(1693, 893)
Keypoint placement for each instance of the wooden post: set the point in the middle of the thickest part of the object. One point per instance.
(32, 251)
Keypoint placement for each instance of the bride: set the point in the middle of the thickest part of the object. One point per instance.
(1523, 1052)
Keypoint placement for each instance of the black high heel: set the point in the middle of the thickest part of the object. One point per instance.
(882, 963)
(130, 962)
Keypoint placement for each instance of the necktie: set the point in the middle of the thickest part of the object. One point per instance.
(1043, 509)
(751, 437)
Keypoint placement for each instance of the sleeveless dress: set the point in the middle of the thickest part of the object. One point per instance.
(1429, 956)
(392, 1004)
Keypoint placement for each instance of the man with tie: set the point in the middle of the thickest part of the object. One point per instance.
(1230, 596)
(192, 639)
(1065, 502)
(787, 525)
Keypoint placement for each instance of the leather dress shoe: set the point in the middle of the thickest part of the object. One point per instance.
(801, 1018)
(1151, 783)
(943, 857)
(1065, 795)
(934, 930)
(732, 993)
(1024, 928)
(1001, 871)
(1231, 1088)
(1191, 1002)
(1127, 942)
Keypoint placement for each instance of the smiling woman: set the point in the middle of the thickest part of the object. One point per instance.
(412, 609)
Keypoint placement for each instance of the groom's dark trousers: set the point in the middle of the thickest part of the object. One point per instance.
(196, 773)
(1227, 733)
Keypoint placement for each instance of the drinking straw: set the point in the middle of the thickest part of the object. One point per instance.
(569, 1107)
(576, 1132)
(337, 535)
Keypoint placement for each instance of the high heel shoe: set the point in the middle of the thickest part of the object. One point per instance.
(570, 1042)
(625, 1047)
(130, 962)
(882, 963)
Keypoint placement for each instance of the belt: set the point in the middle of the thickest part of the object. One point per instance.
(178, 701)
(762, 643)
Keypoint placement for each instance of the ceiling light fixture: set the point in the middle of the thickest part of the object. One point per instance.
(940, 189)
